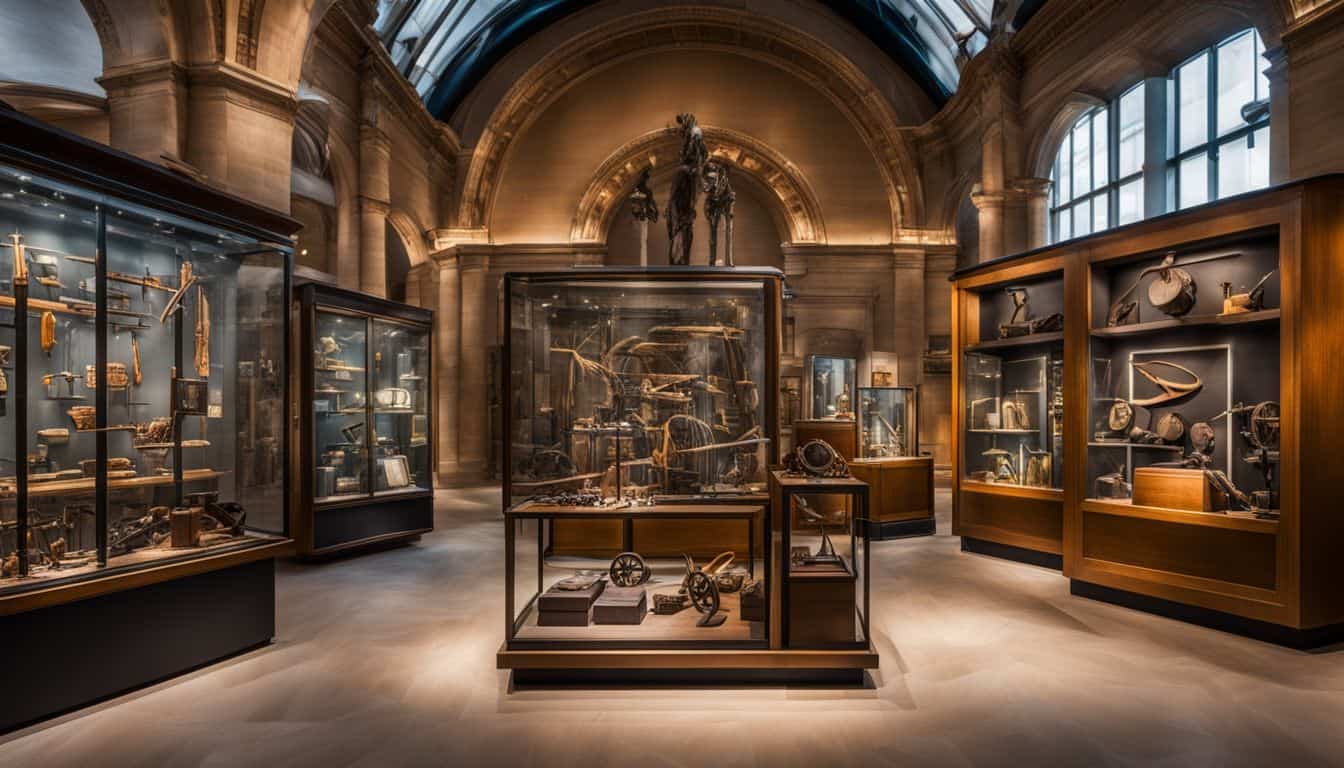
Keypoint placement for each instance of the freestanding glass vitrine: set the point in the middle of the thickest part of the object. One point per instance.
(887, 423)
(367, 447)
(831, 383)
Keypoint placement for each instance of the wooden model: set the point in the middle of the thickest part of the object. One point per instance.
(1201, 412)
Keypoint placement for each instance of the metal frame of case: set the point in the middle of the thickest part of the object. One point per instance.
(159, 600)
(370, 517)
(652, 658)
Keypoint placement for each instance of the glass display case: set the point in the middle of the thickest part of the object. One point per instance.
(887, 422)
(367, 439)
(832, 383)
(654, 387)
(142, 394)
(1012, 387)
(1184, 380)
(642, 417)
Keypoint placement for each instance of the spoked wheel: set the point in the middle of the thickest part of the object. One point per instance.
(704, 594)
(629, 570)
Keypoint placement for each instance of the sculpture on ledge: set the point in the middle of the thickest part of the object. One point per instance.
(686, 184)
(719, 199)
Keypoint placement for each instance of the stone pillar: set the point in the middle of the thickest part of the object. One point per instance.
(474, 353)
(146, 106)
(990, 207)
(1279, 115)
(1035, 193)
(448, 335)
(908, 324)
(374, 194)
(240, 132)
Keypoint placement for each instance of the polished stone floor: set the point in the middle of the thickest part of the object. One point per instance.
(388, 659)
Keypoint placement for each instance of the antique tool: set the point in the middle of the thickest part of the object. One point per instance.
(20, 258)
(1171, 390)
(137, 375)
(1002, 466)
(48, 332)
(1173, 292)
(1202, 437)
(1039, 469)
(54, 393)
(175, 301)
(1014, 416)
(628, 569)
(83, 416)
(701, 587)
(116, 376)
(1170, 428)
(1120, 416)
(146, 282)
(202, 333)
(54, 435)
(1113, 485)
(1251, 301)
(1021, 323)
(49, 282)
(816, 458)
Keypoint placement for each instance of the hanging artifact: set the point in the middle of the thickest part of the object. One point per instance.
(175, 301)
(1173, 291)
(686, 185)
(1171, 390)
(48, 332)
(1170, 428)
(137, 375)
(202, 333)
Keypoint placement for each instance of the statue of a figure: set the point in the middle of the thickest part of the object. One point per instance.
(642, 204)
(719, 199)
(685, 191)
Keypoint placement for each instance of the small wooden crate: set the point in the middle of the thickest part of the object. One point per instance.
(1172, 488)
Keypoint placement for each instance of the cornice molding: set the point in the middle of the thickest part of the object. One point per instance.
(246, 87)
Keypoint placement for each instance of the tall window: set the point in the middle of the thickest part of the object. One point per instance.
(1215, 118)
(1221, 122)
(1098, 173)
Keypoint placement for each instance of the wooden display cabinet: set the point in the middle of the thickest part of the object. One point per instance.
(899, 478)
(1006, 410)
(1267, 394)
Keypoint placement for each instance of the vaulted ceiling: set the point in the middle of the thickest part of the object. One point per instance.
(444, 47)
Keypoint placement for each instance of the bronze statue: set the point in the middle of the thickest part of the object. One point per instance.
(685, 190)
(719, 199)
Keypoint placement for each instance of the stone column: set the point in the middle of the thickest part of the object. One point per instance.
(990, 207)
(1279, 115)
(374, 193)
(1035, 193)
(147, 112)
(474, 355)
(908, 324)
(240, 132)
(448, 335)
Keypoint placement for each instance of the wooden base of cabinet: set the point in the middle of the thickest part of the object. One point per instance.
(1301, 639)
(575, 667)
(1010, 552)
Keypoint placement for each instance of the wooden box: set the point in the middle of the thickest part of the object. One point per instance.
(822, 611)
(621, 605)
(556, 599)
(1172, 488)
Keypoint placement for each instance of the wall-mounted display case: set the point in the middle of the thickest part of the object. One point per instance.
(1009, 410)
(1196, 398)
(367, 427)
(143, 331)
(642, 414)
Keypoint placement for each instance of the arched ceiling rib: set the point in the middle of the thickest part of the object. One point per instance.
(444, 47)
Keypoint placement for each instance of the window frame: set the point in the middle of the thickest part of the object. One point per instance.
(1110, 191)
(1213, 142)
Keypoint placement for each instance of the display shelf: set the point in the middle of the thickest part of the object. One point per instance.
(1004, 431)
(1190, 321)
(1010, 489)
(1141, 446)
(86, 485)
(1017, 342)
(1127, 508)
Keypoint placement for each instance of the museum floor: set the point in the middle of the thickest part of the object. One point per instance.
(388, 659)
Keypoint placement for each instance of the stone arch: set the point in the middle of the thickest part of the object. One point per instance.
(703, 28)
(411, 234)
(614, 179)
(1046, 145)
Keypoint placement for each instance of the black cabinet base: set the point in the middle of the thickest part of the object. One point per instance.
(68, 656)
(1300, 639)
(383, 520)
(1009, 552)
(900, 529)
(578, 678)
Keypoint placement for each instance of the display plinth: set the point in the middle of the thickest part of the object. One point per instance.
(900, 495)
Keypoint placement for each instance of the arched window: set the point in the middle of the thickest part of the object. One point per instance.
(1200, 134)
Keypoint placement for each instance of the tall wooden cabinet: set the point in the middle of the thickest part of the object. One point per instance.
(1200, 411)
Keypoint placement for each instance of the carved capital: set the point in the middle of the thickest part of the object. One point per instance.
(369, 205)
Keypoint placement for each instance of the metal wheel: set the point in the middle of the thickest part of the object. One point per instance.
(704, 593)
(628, 570)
